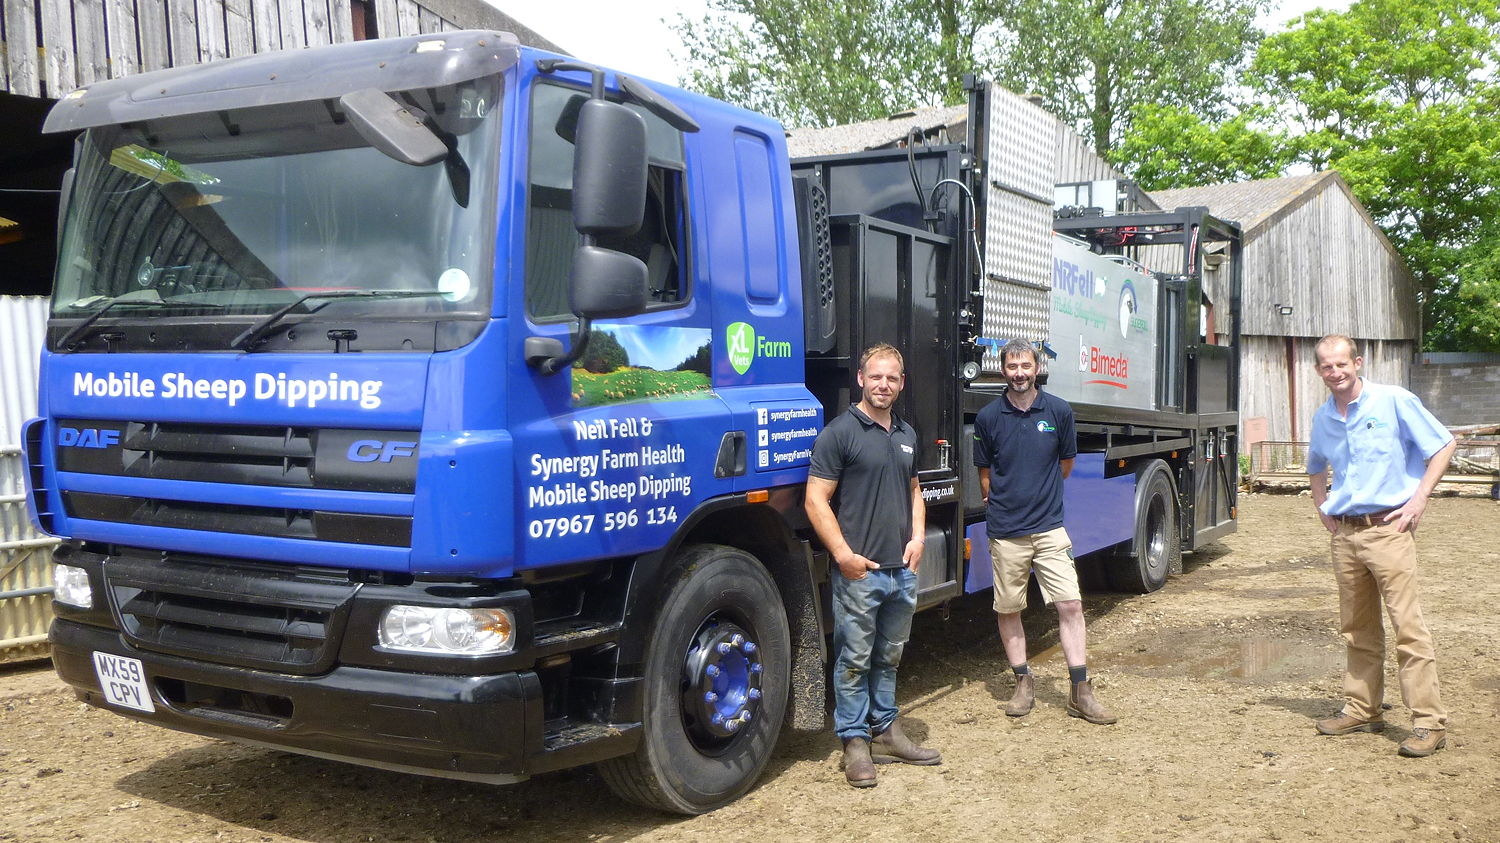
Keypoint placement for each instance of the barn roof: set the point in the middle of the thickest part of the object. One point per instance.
(1260, 203)
(1254, 204)
(942, 124)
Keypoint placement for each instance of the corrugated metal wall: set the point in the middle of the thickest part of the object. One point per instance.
(1077, 161)
(25, 554)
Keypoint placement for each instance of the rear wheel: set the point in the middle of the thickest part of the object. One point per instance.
(1157, 547)
(716, 679)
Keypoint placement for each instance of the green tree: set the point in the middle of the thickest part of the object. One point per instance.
(603, 355)
(1094, 62)
(699, 361)
(816, 63)
(1402, 98)
(1168, 146)
(1097, 63)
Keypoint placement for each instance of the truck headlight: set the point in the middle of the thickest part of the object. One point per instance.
(467, 632)
(71, 586)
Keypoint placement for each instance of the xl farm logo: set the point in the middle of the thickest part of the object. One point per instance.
(744, 345)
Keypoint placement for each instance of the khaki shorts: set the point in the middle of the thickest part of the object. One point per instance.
(1050, 554)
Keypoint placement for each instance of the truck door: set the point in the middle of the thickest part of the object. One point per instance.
(614, 451)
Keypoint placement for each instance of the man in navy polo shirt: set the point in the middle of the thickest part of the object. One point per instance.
(869, 456)
(1387, 453)
(1024, 447)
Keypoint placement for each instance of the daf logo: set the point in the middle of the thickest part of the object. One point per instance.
(373, 450)
(88, 437)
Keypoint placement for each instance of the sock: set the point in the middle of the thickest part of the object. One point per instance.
(1078, 674)
(1021, 669)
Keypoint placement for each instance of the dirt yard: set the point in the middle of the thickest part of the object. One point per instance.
(1217, 680)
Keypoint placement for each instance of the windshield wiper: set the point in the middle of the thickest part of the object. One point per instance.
(251, 336)
(137, 297)
(74, 337)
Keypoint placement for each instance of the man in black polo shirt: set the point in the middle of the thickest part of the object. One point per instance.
(869, 456)
(1024, 447)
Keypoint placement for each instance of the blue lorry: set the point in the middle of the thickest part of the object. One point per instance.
(441, 405)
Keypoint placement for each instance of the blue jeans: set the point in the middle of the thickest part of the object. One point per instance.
(871, 622)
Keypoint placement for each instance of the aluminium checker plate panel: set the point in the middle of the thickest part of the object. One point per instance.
(1018, 222)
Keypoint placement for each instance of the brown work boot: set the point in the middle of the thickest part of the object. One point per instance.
(1023, 698)
(859, 770)
(893, 745)
(1423, 742)
(1344, 724)
(1081, 703)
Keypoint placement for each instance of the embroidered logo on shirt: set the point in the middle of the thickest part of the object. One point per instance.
(1375, 424)
(906, 448)
(1044, 426)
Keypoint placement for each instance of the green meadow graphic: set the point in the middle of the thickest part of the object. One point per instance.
(643, 363)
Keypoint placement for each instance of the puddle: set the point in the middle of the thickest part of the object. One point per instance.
(1263, 655)
(1255, 659)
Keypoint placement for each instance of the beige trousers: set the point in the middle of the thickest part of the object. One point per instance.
(1375, 565)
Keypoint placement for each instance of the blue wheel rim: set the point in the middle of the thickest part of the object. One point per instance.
(721, 683)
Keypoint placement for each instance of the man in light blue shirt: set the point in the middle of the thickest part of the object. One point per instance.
(1387, 452)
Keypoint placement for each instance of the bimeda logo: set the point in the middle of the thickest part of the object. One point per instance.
(1045, 426)
(744, 345)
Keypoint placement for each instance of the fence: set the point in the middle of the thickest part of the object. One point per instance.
(1476, 461)
(25, 554)
(25, 569)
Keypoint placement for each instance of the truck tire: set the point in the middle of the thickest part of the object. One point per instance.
(1157, 547)
(715, 686)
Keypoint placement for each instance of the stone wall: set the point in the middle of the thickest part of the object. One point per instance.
(1458, 388)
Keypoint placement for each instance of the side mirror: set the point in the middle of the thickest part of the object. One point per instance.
(605, 284)
(609, 169)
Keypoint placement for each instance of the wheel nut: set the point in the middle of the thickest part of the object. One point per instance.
(754, 694)
(723, 648)
(731, 725)
(749, 647)
(712, 670)
(710, 697)
(737, 640)
(755, 668)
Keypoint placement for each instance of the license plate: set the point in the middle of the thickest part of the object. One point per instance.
(123, 681)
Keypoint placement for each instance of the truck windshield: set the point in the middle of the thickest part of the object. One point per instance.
(223, 219)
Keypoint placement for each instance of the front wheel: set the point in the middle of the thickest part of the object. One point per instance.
(1157, 547)
(716, 679)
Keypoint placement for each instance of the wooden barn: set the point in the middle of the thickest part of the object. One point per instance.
(1315, 263)
(50, 47)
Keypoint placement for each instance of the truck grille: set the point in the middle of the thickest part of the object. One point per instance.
(288, 621)
(350, 527)
(313, 458)
(309, 458)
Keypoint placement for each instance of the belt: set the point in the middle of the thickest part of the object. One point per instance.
(1368, 519)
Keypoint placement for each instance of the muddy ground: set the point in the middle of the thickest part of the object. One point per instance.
(1217, 679)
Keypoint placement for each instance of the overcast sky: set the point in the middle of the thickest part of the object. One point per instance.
(635, 37)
